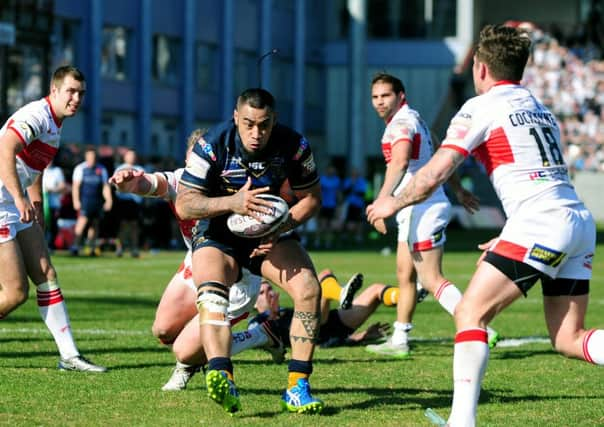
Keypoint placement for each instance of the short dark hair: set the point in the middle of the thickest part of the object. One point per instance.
(256, 98)
(397, 84)
(504, 50)
(67, 70)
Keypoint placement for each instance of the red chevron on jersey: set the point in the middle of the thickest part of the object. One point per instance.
(37, 155)
(496, 151)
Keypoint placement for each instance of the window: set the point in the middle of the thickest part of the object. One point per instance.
(207, 63)
(245, 71)
(166, 60)
(64, 49)
(25, 74)
(313, 87)
(114, 64)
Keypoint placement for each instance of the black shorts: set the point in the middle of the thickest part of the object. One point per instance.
(327, 213)
(525, 276)
(218, 236)
(354, 214)
(334, 329)
(92, 209)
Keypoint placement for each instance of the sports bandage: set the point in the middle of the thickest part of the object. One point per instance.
(213, 304)
(154, 185)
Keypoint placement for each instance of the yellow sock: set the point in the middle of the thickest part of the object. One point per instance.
(330, 287)
(390, 296)
(293, 377)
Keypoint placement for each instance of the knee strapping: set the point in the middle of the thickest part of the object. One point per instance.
(213, 304)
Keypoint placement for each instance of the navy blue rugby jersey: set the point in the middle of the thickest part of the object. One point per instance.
(219, 166)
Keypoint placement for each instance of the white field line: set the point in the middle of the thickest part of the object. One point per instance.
(512, 342)
(36, 331)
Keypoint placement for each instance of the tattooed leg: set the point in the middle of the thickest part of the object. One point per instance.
(304, 333)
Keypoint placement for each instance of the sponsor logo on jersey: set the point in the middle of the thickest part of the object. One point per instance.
(303, 147)
(207, 148)
(546, 255)
(552, 174)
(459, 127)
(234, 173)
(308, 166)
(588, 260)
(256, 166)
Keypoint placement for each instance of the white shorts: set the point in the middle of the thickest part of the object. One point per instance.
(242, 295)
(423, 226)
(559, 242)
(10, 224)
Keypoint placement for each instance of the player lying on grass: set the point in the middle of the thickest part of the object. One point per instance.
(176, 320)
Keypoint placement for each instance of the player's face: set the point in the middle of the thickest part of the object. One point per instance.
(478, 71)
(67, 97)
(268, 299)
(254, 126)
(385, 101)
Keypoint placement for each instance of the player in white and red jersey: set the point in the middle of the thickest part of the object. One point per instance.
(29, 140)
(549, 234)
(407, 146)
(177, 319)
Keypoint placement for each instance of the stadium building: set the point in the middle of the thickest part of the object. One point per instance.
(158, 69)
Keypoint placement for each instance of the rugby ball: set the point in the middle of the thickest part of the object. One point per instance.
(251, 228)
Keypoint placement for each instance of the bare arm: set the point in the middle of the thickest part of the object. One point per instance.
(108, 198)
(308, 205)
(422, 185)
(141, 183)
(468, 200)
(10, 146)
(430, 177)
(75, 195)
(396, 168)
(192, 203)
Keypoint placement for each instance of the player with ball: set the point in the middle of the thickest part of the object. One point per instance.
(228, 178)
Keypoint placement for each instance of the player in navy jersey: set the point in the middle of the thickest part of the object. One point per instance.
(233, 163)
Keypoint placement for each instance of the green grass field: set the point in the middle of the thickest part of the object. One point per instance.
(112, 304)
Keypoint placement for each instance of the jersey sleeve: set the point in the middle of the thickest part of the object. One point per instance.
(467, 129)
(303, 169)
(77, 173)
(201, 161)
(28, 125)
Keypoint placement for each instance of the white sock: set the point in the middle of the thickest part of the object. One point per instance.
(250, 338)
(448, 296)
(401, 333)
(593, 346)
(53, 311)
(470, 359)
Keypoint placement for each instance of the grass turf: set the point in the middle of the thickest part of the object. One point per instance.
(112, 304)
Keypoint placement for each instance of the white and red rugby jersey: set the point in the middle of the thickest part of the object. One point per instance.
(407, 127)
(40, 132)
(517, 140)
(186, 226)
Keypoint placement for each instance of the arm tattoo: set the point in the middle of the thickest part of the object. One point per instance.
(430, 177)
(311, 322)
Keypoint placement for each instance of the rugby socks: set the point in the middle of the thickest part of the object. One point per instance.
(389, 296)
(330, 288)
(53, 311)
(448, 296)
(470, 357)
(593, 346)
(298, 369)
(401, 333)
(221, 364)
(250, 338)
